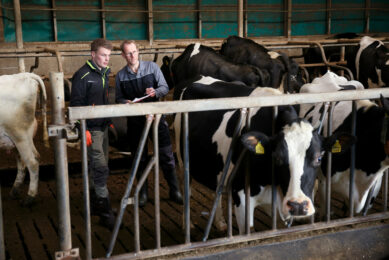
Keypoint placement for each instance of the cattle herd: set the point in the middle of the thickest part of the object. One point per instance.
(294, 148)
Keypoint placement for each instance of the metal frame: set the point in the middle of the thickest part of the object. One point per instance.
(82, 113)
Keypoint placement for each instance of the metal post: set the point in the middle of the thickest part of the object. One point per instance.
(199, 22)
(61, 161)
(54, 13)
(329, 16)
(329, 165)
(247, 187)
(367, 16)
(185, 138)
(85, 185)
(288, 18)
(18, 33)
(352, 162)
(385, 190)
(103, 26)
(273, 178)
(156, 183)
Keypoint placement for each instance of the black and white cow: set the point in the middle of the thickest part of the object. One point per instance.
(284, 72)
(296, 148)
(18, 126)
(198, 59)
(372, 63)
(371, 159)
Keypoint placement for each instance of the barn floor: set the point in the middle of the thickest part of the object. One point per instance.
(31, 233)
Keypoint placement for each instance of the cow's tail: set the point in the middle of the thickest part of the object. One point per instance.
(43, 97)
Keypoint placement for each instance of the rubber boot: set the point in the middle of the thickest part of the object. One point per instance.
(93, 202)
(174, 192)
(143, 195)
(104, 211)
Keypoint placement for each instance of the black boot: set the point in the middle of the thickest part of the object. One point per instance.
(104, 211)
(174, 193)
(143, 195)
(93, 202)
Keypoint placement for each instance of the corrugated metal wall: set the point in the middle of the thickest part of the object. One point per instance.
(84, 20)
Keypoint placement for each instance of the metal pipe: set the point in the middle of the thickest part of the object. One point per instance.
(150, 21)
(133, 171)
(54, 13)
(329, 165)
(273, 178)
(156, 183)
(103, 25)
(288, 18)
(76, 113)
(220, 186)
(139, 185)
(61, 162)
(19, 33)
(367, 16)
(329, 16)
(352, 160)
(85, 185)
(199, 22)
(185, 138)
(247, 189)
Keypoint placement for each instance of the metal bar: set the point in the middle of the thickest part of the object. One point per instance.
(185, 138)
(76, 113)
(245, 240)
(139, 185)
(329, 165)
(385, 191)
(352, 162)
(329, 16)
(273, 178)
(103, 25)
(245, 23)
(1, 24)
(156, 183)
(133, 171)
(19, 33)
(2, 247)
(150, 21)
(247, 189)
(220, 186)
(342, 54)
(85, 182)
(61, 162)
(240, 18)
(54, 14)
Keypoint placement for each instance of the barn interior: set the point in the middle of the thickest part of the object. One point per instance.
(44, 36)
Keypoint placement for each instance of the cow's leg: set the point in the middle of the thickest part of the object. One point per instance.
(29, 157)
(220, 222)
(240, 212)
(21, 174)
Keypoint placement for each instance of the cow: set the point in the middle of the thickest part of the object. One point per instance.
(199, 59)
(284, 72)
(18, 126)
(296, 148)
(371, 160)
(368, 61)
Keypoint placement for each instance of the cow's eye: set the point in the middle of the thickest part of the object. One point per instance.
(318, 159)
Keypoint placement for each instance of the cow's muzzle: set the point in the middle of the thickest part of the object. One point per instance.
(298, 208)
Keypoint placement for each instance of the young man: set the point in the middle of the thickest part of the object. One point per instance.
(138, 79)
(90, 88)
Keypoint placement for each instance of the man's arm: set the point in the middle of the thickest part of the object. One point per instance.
(78, 94)
(163, 88)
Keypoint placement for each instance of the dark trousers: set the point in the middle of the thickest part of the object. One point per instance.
(135, 127)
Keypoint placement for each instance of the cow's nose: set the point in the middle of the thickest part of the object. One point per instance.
(298, 208)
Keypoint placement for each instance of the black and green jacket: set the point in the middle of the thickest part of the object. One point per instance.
(90, 88)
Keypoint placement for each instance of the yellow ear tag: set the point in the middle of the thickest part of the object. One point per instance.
(259, 148)
(336, 148)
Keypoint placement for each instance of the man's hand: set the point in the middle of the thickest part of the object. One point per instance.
(88, 138)
(150, 91)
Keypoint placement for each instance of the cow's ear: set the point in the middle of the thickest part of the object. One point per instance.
(339, 142)
(255, 142)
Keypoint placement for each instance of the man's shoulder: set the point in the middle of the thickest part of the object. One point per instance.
(150, 66)
(121, 72)
(81, 72)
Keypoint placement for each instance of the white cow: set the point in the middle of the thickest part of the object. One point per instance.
(18, 126)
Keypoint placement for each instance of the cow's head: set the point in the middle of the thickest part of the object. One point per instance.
(382, 56)
(297, 152)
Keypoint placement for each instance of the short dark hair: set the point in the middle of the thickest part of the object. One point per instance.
(100, 42)
(128, 42)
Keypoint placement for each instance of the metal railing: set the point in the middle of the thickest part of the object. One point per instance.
(158, 108)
